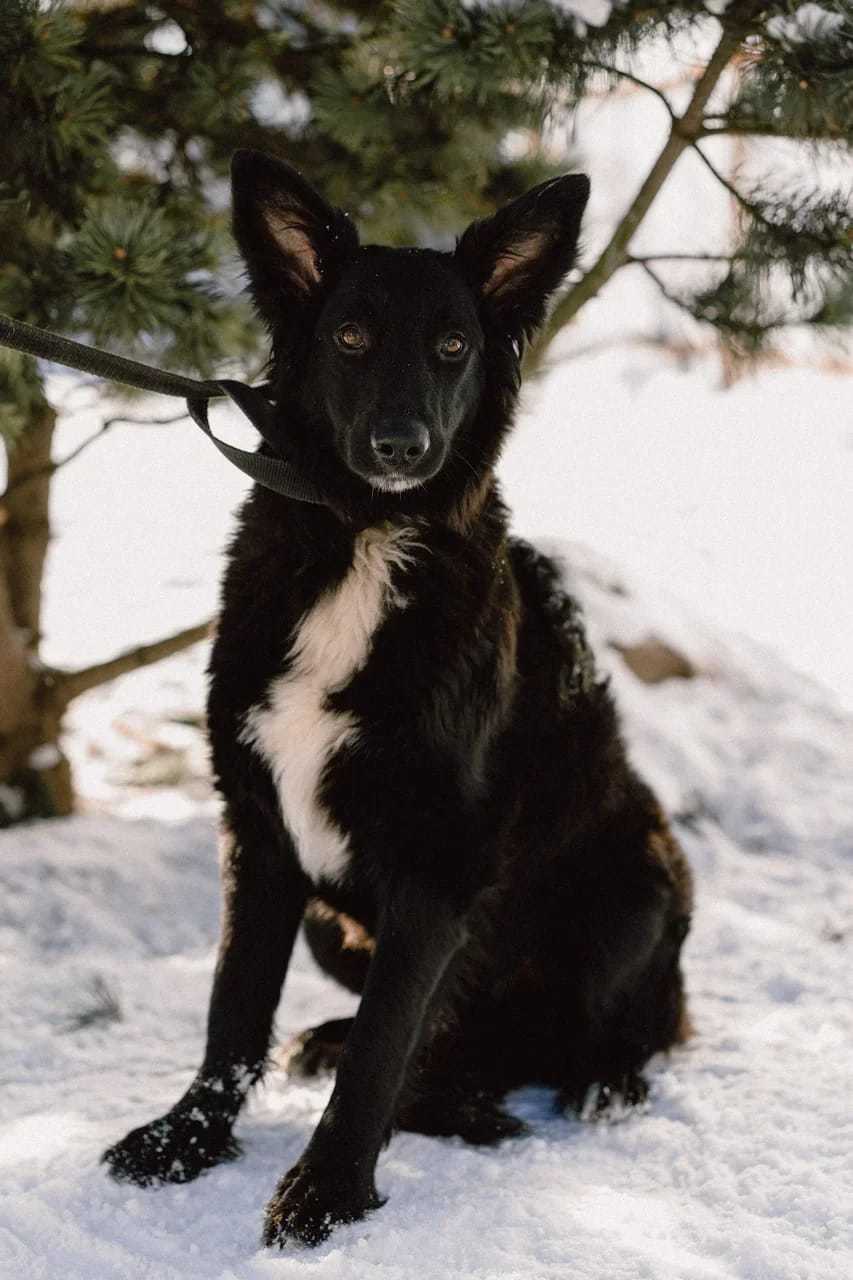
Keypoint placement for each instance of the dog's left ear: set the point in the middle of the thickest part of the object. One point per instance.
(516, 259)
(293, 243)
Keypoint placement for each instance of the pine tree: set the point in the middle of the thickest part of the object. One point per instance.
(781, 70)
(119, 118)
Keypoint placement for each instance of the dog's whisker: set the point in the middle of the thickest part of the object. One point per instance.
(457, 453)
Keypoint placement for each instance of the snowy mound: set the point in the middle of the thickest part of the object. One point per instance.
(741, 1167)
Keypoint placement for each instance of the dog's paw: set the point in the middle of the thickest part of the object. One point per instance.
(176, 1148)
(309, 1054)
(309, 1204)
(477, 1118)
(484, 1123)
(610, 1100)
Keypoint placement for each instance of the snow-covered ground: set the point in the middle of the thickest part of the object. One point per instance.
(742, 1167)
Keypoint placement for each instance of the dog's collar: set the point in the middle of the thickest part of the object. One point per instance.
(272, 472)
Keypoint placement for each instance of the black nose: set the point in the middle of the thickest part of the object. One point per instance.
(400, 445)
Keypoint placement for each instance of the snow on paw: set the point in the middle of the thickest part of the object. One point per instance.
(176, 1148)
(308, 1205)
(611, 1100)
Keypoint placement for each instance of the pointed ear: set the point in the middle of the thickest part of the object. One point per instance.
(293, 243)
(515, 260)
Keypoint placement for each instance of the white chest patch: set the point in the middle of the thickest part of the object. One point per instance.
(296, 734)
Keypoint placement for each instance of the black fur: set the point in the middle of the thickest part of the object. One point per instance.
(514, 904)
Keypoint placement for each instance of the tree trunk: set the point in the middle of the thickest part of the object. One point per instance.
(34, 774)
(35, 777)
(26, 522)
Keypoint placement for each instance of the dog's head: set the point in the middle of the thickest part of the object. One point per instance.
(396, 369)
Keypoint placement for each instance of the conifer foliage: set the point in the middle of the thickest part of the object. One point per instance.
(119, 118)
(780, 70)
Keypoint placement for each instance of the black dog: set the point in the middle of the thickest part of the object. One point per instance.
(417, 759)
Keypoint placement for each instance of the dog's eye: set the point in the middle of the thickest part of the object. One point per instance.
(351, 338)
(453, 346)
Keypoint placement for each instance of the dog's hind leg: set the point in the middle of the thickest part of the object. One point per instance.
(316, 1050)
(341, 945)
(457, 1083)
(606, 1079)
(644, 1012)
(264, 898)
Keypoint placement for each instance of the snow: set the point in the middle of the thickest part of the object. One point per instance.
(738, 503)
(45, 756)
(595, 12)
(740, 1169)
(12, 800)
(808, 22)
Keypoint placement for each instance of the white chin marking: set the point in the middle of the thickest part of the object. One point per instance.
(294, 730)
(390, 484)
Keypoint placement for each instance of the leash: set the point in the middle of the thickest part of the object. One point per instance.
(272, 472)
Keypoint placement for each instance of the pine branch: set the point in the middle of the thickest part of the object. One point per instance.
(639, 259)
(746, 333)
(764, 129)
(70, 684)
(52, 467)
(683, 351)
(797, 80)
(681, 136)
(662, 288)
(745, 203)
(621, 74)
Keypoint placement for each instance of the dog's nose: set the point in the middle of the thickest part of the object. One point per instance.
(400, 445)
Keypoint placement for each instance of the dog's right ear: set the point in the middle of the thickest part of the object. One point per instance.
(293, 243)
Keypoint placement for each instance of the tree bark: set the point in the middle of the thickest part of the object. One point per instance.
(26, 522)
(35, 773)
(16, 676)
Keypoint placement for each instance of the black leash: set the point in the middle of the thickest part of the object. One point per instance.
(271, 472)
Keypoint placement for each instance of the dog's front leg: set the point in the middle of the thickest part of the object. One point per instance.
(333, 1182)
(264, 897)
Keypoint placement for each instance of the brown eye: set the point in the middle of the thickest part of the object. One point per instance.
(453, 346)
(351, 338)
